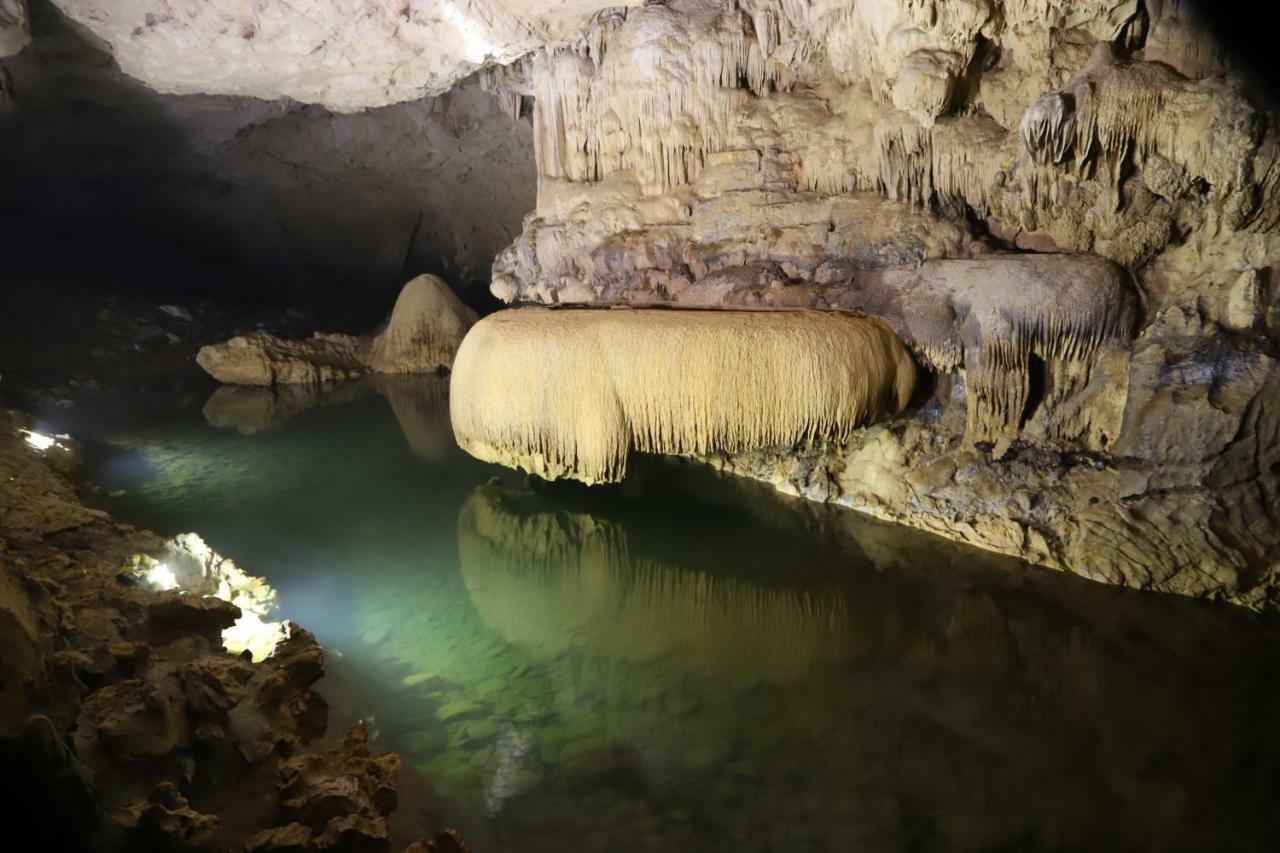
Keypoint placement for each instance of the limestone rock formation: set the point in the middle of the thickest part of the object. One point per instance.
(259, 358)
(346, 56)
(1067, 209)
(571, 393)
(128, 721)
(422, 335)
(426, 327)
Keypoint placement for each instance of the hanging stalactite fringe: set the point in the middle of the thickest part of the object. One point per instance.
(567, 393)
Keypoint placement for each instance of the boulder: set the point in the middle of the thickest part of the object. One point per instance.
(426, 327)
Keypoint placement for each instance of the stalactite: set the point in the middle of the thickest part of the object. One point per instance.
(1062, 309)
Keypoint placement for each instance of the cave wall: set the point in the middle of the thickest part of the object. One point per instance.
(107, 179)
(947, 166)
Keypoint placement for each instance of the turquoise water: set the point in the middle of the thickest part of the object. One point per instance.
(689, 662)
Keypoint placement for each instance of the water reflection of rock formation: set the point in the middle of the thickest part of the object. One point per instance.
(420, 404)
(565, 581)
(977, 710)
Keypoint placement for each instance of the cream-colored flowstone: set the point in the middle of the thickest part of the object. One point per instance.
(570, 393)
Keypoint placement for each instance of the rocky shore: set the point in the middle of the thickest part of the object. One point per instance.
(125, 724)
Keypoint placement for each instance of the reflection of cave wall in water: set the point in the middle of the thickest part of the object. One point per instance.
(560, 581)
(949, 686)
(217, 193)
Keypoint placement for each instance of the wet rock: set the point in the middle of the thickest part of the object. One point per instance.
(166, 822)
(260, 358)
(596, 761)
(424, 680)
(344, 795)
(448, 841)
(134, 719)
(291, 838)
(201, 615)
(153, 706)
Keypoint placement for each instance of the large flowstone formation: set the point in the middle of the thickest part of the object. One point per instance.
(570, 393)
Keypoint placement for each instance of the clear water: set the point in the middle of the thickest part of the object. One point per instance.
(689, 662)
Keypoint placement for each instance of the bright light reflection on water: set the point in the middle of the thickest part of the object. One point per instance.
(694, 663)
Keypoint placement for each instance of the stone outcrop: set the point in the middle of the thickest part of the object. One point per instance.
(1069, 210)
(130, 719)
(422, 335)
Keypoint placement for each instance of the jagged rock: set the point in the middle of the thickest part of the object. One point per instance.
(132, 673)
(448, 841)
(24, 624)
(291, 838)
(343, 796)
(166, 822)
(202, 615)
(422, 335)
(876, 157)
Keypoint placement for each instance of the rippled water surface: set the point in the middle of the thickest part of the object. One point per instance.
(693, 663)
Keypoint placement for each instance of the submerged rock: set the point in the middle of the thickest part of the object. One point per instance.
(422, 335)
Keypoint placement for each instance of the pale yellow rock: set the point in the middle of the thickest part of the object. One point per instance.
(568, 393)
(426, 327)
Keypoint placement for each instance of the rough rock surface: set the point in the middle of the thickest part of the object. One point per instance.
(345, 55)
(126, 725)
(264, 200)
(1114, 422)
(425, 329)
(422, 335)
